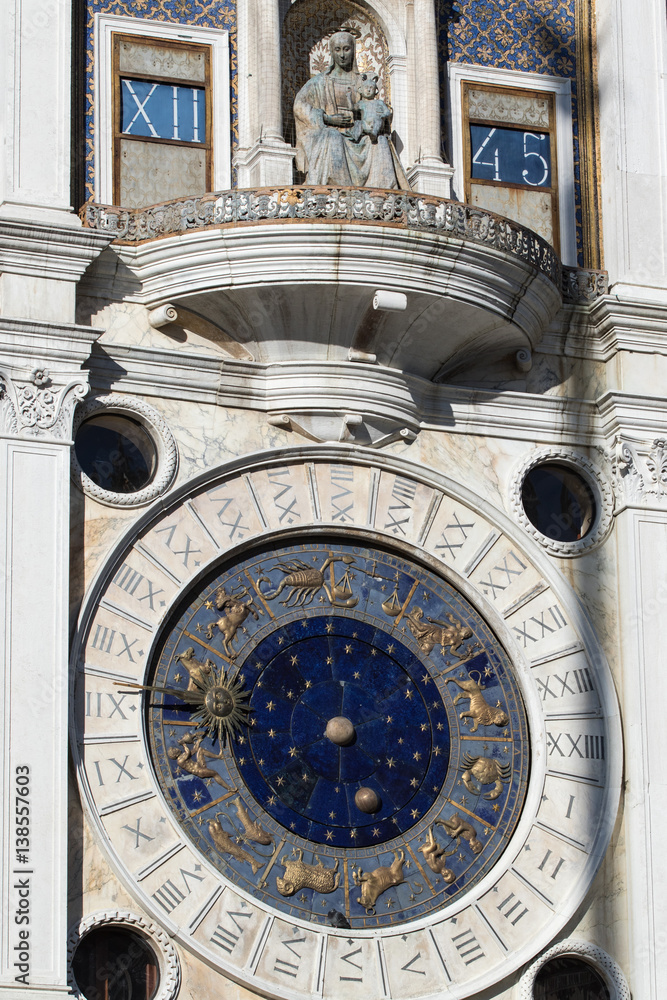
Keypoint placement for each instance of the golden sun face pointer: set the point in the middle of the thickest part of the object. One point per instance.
(217, 703)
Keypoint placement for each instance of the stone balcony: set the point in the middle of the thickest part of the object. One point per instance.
(292, 275)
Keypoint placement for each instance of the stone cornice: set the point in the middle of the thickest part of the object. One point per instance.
(48, 251)
(386, 399)
(610, 325)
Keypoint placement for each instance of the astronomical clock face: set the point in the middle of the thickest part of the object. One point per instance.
(373, 759)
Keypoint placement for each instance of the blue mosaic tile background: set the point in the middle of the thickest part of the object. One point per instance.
(196, 13)
(531, 36)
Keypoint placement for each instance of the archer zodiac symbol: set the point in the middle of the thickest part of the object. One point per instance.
(305, 581)
(486, 770)
(235, 613)
(479, 709)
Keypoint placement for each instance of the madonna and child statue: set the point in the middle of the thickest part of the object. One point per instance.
(343, 129)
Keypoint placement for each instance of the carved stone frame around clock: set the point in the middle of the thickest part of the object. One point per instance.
(575, 734)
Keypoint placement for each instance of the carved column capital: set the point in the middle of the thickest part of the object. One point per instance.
(37, 404)
(640, 472)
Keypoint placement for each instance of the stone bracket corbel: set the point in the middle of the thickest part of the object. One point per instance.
(176, 322)
(353, 426)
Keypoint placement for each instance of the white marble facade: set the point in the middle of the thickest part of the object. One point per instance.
(273, 358)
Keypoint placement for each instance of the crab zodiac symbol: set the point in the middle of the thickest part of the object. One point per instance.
(487, 771)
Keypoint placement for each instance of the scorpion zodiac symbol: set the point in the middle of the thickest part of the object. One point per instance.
(305, 581)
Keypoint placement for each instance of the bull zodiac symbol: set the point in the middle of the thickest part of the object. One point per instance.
(304, 582)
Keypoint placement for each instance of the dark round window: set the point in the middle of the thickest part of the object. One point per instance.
(111, 963)
(558, 502)
(569, 978)
(116, 452)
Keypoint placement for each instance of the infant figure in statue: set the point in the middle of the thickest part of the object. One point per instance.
(372, 115)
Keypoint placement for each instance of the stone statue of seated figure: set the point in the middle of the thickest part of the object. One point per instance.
(333, 149)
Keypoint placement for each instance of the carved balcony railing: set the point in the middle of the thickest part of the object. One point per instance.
(401, 209)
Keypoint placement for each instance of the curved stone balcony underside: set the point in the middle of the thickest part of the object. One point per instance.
(274, 275)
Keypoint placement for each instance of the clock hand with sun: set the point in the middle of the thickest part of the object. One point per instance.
(216, 700)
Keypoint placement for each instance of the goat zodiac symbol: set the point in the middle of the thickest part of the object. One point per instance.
(304, 582)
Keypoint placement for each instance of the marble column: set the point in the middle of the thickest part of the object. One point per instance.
(428, 174)
(264, 158)
(35, 78)
(632, 52)
(40, 382)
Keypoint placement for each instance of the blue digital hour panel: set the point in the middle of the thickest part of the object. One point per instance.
(377, 723)
(510, 156)
(163, 111)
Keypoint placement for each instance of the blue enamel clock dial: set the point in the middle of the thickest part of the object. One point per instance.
(324, 710)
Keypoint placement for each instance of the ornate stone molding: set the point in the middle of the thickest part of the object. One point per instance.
(35, 405)
(170, 969)
(640, 472)
(394, 208)
(580, 286)
(603, 964)
(167, 452)
(604, 499)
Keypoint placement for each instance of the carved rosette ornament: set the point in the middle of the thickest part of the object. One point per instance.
(39, 404)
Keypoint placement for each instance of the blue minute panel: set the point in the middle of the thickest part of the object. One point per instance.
(163, 111)
(511, 156)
